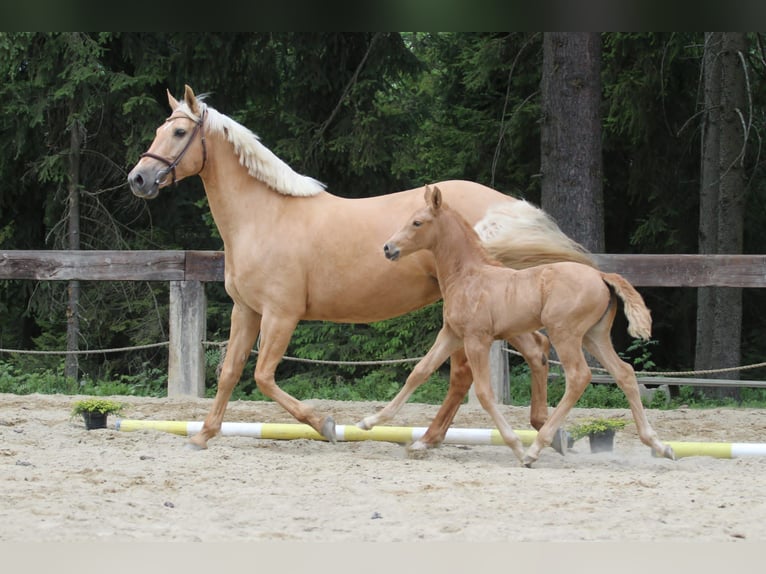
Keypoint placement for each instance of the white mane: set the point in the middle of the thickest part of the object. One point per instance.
(260, 161)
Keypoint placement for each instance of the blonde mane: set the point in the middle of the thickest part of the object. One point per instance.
(260, 161)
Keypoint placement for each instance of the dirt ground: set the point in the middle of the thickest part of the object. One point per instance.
(61, 483)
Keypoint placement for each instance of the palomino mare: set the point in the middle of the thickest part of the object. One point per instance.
(484, 301)
(294, 251)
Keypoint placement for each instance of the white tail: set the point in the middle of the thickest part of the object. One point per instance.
(520, 235)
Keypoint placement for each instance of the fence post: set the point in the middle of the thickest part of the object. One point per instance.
(499, 376)
(188, 326)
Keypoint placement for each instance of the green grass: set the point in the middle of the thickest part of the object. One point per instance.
(376, 386)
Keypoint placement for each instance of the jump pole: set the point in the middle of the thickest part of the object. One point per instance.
(717, 449)
(404, 435)
(344, 433)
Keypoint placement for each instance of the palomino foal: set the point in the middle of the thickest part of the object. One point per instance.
(484, 301)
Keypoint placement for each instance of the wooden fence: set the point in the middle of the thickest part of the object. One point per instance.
(187, 271)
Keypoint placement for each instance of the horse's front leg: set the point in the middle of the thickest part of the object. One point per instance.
(245, 325)
(275, 336)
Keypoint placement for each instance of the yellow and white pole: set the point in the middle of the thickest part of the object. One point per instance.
(291, 431)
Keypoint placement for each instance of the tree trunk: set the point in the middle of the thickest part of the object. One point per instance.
(71, 369)
(709, 187)
(720, 320)
(571, 163)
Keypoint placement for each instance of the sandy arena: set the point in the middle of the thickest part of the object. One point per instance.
(63, 483)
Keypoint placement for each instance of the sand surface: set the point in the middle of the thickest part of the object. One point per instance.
(63, 483)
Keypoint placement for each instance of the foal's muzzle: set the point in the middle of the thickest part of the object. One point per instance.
(391, 251)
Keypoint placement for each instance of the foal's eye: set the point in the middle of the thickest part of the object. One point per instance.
(417, 223)
(180, 132)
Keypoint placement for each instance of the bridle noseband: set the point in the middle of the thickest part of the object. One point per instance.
(171, 165)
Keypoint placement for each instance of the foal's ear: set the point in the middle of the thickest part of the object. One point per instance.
(191, 100)
(172, 101)
(436, 199)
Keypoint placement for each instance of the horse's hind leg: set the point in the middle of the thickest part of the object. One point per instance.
(460, 379)
(275, 336)
(535, 348)
(578, 375)
(446, 342)
(245, 325)
(599, 344)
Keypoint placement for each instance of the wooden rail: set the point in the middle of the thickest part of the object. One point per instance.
(187, 271)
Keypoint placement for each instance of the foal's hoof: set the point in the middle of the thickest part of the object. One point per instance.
(528, 461)
(668, 453)
(560, 441)
(328, 430)
(362, 424)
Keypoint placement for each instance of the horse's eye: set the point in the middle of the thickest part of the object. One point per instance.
(180, 132)
(417, 223)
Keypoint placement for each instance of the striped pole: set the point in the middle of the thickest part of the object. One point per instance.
(405, 435)
(291, 431)
(718, 449)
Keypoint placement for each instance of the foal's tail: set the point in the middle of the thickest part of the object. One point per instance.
(639, 317)
(520, 235)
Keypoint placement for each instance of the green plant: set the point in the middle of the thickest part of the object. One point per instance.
(595, 425)
(95, 405)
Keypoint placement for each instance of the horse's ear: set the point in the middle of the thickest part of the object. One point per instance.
(427, 195)
(172, 101)
(436, 199)
(191, 100)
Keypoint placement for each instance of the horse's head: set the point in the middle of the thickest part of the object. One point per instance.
(178, 149)
(419, 232)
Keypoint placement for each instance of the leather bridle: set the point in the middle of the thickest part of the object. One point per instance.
(171, 165)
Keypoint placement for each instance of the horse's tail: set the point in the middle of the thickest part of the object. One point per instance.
(639, 317)
(520, 235)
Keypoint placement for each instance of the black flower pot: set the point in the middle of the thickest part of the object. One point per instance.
(602, 441)
(94, 420)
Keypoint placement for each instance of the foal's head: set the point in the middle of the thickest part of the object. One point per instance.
(419, 232)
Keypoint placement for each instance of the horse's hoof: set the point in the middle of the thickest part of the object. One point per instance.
(328, 430)
(528, 461)
(195, 447)
(560, 441)
(417, 450)
(668, 453)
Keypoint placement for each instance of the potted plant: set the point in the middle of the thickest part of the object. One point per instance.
(94, 411)
(600, 432)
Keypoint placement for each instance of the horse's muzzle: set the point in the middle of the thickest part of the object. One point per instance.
(391, 251)
(143, 186)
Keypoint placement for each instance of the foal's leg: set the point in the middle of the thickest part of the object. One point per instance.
(478, 356)
(460, 379)
(446, 342)
(599, 344)
(275, 336)
(535, 347)
(245, 324)
(578, 375)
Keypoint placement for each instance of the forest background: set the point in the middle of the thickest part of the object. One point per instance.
(368, 114)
